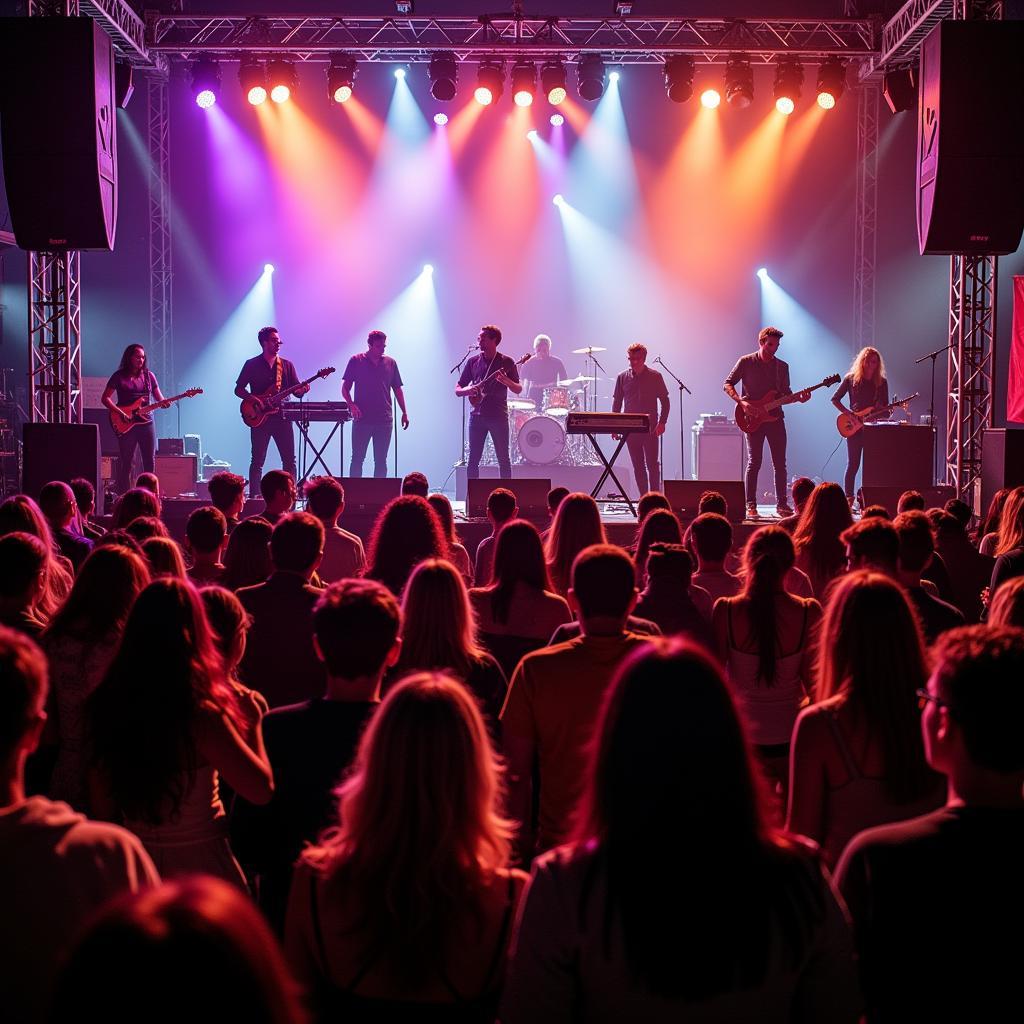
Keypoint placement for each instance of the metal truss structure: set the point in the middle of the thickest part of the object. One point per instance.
(161, 348)
(866, 216)
(55, 336)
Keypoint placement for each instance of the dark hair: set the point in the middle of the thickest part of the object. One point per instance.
(916, 542)
(206, 529)
(768, 556)
(56, 499)
(22, 563)
(947, 525)
(356, 623)
(164, 557)
(297, 542)
(23, 686)
(324, 497)
(443, 507)
(825, 516)
(149, 482)
(118, 538)
(193, 941)
(376, 336)
(555, 497)
(874, 540)
(910, 501)
(768, 332)
(247, 557)
(275, 481)
(875, 512)
(144, 528)
(85, 494)
(518, 558)
(713, 501)
(577, 525)
(263, 334)
(133, 504)
(995, 511)
(229, 622)
(603, 581)
(979, 670)
(126, 355)
(669, 561)
(648, 503)
(225, 489)
(501, 505)
(415, 483)
(661, 525)
(406, 532)
(960, 511)
(801, 490)
(492, 332)
(712, 536)
(699, 892)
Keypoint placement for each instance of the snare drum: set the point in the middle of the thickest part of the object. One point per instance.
(541, 440)
(556, 401)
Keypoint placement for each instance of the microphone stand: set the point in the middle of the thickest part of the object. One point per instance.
(682, 388)
(931, 410)
(455, 369)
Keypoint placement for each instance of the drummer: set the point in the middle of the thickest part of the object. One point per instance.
(543, 370)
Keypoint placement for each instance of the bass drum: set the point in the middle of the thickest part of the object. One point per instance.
(541, 440)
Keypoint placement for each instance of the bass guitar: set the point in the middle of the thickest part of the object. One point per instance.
(759, 411)
(135, 411)
(256, 408)
(849, 423)
(476, 396)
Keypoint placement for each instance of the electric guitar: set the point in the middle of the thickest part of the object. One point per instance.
(476, 396)
(256, 408)
(136, 410)
(849, 423)
(761, 408)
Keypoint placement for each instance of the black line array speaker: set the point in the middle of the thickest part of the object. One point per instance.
(58, 131)
(970, 139)
(60, 451)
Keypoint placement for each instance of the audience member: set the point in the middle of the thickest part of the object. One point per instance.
(1007, 605)
(960, 511)
(146, 527)
(713, 501)
(670, 600)
(872, 543)
(857, 758)
(57, 503)
(800, 489)
(194, 950)
(164, 558)
(149, 482)
(227, 492)
(502, 508)
(119, 539)
(577, 525)
(875, 512)
(134, 503)
(247, 557)
(555, 695)
(910, 501)
(229, 628)
(206, 533)
(457, 553)
(711, 535)
(916, 548)
(415, 483)
(406, 532)
(23, 561)
(555, 498)
(56, 868)
(969, 572)
(85, 500)
(20, 514)
(344, 557)
(404, 910)
(159, 748)
(648, 503)
(280, 660)
(1009, 549)
(660, 527)
(820, 553)
(988, 532)
(279, 493)
(936, 901)
(677, 901)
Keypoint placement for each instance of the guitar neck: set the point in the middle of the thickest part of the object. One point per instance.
(282, 395)
(156, 405)
(790, 399)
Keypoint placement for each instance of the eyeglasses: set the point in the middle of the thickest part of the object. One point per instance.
(924, 698)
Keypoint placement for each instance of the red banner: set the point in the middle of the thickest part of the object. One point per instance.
(1015, 384)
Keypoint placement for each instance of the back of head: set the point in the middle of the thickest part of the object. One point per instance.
(501, 505)
(20, 514)
(995, 511)
(916, 542)
(415, 483)
(873, 542)
(443, 508)
(149, 482)
(23, 687)
(910, 501)
(801, 489)
(134, 504)
(556, 496)
(518, 558)
(275, 484)
(407, 530)
(229, 622)
(324, 498)
(713, 501)
(649, 502)
(979, 673)
(825, 516)
(577, 525)
(1007, 605)
(712, 536)
(768, 556)
(659, 527)
(297, 542)
(23, 560)
(439, 627)
(1011, 522)
(206, 529)
(875, 512)
(603, 582)
(225, 489)
(145, 527)
(56, 501)
(355, 623)
(247, 558)
(198, 942)
(948, 528)
(669, 562)
(85, 494)
(164, 557)
(960, 511)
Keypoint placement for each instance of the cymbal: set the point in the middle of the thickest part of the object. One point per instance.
(582, 380)
(521, 403)
(587, 351)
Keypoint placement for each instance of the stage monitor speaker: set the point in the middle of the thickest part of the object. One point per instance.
(898, 455)
(367, 495)
(60, 451)
(177, 474)
(684, 496)
(970, 139)
(531, 496)
(108, 437)
(1002, 462)
(889, 497)
(58, 132)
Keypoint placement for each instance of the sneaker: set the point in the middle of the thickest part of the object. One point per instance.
(751, 510)
(783, 511)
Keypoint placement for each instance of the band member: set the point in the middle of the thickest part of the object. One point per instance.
(544, 369)
(490, 416)
(269, 372)
(375, 376)
(760, 373)
(132, 380)
(868, 389)
(641, 389)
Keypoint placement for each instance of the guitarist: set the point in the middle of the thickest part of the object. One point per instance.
(868, 389)
(133, 379)
(761, 372)
(490, 416)
(269, 372)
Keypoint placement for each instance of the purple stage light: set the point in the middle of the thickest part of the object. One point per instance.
(206, 99)
(557, 120)
(440, 120)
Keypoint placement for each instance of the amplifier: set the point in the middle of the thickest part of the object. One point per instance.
(717, 448)
(177, 474)
(170, 446)
(898, 455)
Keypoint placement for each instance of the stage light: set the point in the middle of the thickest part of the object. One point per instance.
(710, 98)
(679, 78)
(739, 84)
(490, 84)
(557, 120)
(124, 83)
(252, 76)
(524, 84)
(400, 73)
(558, 199)
(614, 76)
(268, 268)
(552, 81)
(831, 82)
(532, 134)
(590, 76)
(763, 273)
(205, 82)
(900, 89)
(440, 120)
(428, 270)
(341, 78)
(444, 77)
(282, 78)
(403, 6)
(789, 80)
(623, 8)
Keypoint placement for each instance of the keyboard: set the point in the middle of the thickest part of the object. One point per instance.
(608, 423)
(316, 412)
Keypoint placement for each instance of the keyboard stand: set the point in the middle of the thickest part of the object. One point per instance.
(609, 472)
(309, 445)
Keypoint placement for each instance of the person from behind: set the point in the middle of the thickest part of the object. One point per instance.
(916, 549)
(343, 556)
(247, 556)
(800, 490)
(502, 508)
(910, 501)
(705, 913)
(22, 582)
(149, 482)
(555, 498)
(457, 553)
(660, 527)
(947, 888)
(278, 490)
(206, 533)
(713, 501)
(1007, 607)
(85, 499)
(648, 502)
(134, 504)
(164, 558)
(969, 571)
(988, 532)
(20, 514)
(57, 503)
(872, 543)
(415, 483)
(406, 532)
(577, 525)
(711, 536)
(1009, 549)
(670, 600)
(819, 551)
(227, 492)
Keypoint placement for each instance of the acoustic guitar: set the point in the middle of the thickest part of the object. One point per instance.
(849, 423)
(761, 409)
(135, 411)
(256, 408)
(476, 396)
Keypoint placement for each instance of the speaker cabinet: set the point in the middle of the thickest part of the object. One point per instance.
(970, 139)
(889, 497)
(1002, 462)
(367, 495)
(60, 451)
(531, 496)
(684, 496)
(177, 474)
(898, 455)
(58, 132)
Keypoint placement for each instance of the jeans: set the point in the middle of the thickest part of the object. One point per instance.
(643, 448)
(775, 433)
(497, 426)
(144, 436)
(278, 428)
(362, 434)
(854, 451)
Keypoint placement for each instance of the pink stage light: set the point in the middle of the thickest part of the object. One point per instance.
(440, 120)
(206, 99)
(557, 120)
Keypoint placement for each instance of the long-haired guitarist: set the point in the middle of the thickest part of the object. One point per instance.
(868, 389)
(761, 372)
(133, 380)
(490, 413)
(268, 373)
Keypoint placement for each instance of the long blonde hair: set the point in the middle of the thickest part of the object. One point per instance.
(860, 361)
(577, 525)
(1011, 523)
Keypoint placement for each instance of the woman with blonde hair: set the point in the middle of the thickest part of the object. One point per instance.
(439, 635)
(404, 910)
(868, 389)
(858, 757)
(577, 525)
(20, 514)
(164, 557)
(1009, 550)
(456, 551)
(819, 551)
(1007, 606)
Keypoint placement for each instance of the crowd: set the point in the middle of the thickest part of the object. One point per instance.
(267, 774)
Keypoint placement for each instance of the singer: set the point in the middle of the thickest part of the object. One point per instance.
(641, 389)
